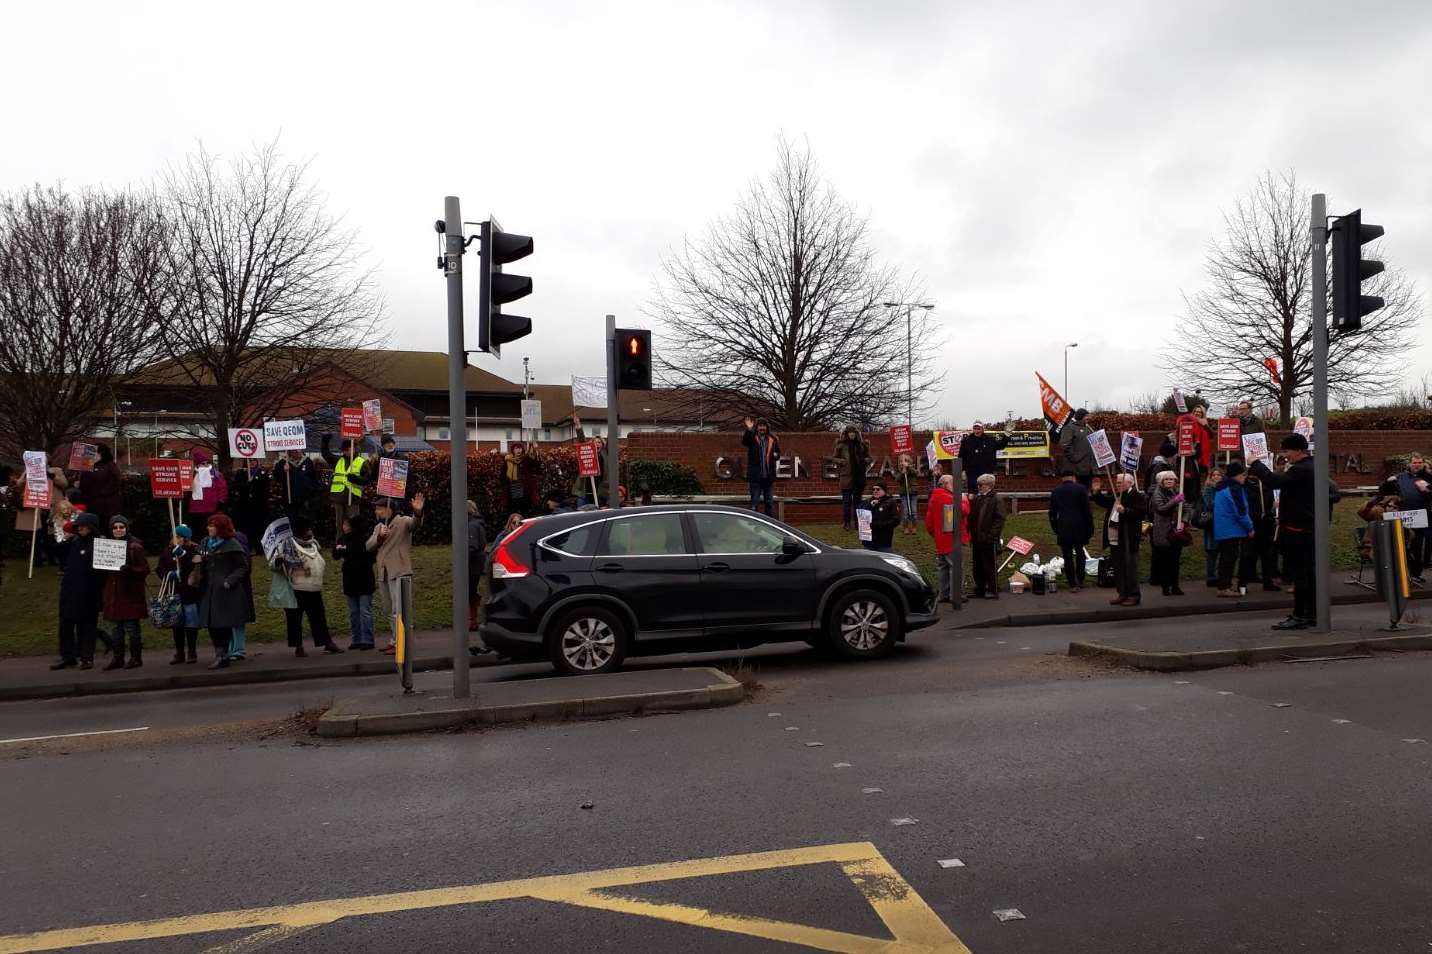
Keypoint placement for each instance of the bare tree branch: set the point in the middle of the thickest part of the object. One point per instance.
(1258, 305)
(76, 272)
(266, 288)
(779, 309)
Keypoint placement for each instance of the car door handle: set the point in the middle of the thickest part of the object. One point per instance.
(717, 567)
(610, 568)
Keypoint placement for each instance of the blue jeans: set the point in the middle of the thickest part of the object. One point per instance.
(360, 618)
(761, 495)
(238, 644)
(908, 500)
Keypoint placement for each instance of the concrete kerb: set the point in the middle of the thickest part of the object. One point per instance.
(349, 718)
(1218, 658)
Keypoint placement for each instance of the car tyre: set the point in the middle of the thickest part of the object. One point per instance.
(587, 641)
(863, 624)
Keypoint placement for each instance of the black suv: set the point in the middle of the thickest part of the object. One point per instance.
(587, 589)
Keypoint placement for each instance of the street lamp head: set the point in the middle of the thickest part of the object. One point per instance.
(1072, 344)
(929, 307)
(891, 304)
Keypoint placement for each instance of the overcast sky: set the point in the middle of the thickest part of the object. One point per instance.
(1052, 171)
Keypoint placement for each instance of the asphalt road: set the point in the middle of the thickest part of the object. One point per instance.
(1270, 809)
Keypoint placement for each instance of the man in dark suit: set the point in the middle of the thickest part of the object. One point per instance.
(1072, 523)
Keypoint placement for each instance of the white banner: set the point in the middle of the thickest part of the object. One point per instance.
(110, 554)
(285, 436)
(531, 415)
(1411, 519)
(589, 392)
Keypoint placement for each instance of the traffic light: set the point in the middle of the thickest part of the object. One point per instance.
(633, 359)
(496, 288)
(1350, 269)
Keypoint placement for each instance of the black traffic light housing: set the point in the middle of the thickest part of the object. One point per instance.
(496, 288)
(1350, 269)
(633, 359)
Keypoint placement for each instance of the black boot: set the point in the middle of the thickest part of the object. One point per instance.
(116, 660)
(136, 652)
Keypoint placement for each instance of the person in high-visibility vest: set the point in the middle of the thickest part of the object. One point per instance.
(350, 473)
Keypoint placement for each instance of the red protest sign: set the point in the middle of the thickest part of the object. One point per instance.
(83, 456)
(350, 422)
(1230, 434)
(588, 459)
(1020, 545)
(1185, 438)
(37, 496)
(902, 439)
(166, 478)
(186, 475)
(392, 477)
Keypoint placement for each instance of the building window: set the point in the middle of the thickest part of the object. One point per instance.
(547, 434)
(509, 435)
(444, 434)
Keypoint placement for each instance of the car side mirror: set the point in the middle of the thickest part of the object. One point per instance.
(792, 548)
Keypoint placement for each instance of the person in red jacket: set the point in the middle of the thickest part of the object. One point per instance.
(942, 496)
(125, 601)
(1196, 467)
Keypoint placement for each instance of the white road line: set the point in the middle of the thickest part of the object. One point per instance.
(74, 735)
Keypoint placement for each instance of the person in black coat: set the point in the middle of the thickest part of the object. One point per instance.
(1123, 529)
(102, 488)
(763, 451)
(1072, 523)
(1295, 527)
(224, 602)
(81, 592)
(884, 518)
(977, 454)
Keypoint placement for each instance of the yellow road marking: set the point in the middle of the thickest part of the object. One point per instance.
(915, 927)
(259, 940)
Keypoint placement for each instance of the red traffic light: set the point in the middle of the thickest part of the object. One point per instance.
(633, 346)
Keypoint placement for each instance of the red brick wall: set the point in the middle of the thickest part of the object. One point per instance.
(1358, 458)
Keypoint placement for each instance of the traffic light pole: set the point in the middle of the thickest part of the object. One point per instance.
(613, 454)
(457, 445)
(1322, 516)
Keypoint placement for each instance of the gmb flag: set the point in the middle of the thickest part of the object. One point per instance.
(1056, 410)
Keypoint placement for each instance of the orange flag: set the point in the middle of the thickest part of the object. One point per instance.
(1055, 408)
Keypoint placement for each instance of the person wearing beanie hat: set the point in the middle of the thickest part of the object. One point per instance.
(176, 564)
(81, 590)
(1233, 529)
(1075, 450)
(1295, 527)
(125, 601)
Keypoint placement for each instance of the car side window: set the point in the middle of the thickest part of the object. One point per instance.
(657, 534)
(578, 541)
(734, 533)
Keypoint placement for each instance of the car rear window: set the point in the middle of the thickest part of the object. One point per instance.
(579, 541)
(657, 534)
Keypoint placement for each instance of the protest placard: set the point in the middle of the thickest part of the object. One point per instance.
(1304, 426)
(1103, 453)
(1022, 445)
(186, 474)
(902, 439)
(1411, 519)
(1185, 438)
(246, 443)
(1131, 450)
(947, 444)
(1230, 434)
(1179, 403)
(109, 554)
(863, 525)
(1020, 545)
(392, 477)
(165, 480)
(350, 423)
(531, 414)
(932, 455)
(589, 462)
(83, 456)
(285, 436)
(1255, 447)
(36, 497)
(373, 415)
(36, 465)
(275, 536)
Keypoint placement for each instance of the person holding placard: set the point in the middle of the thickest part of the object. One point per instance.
(884, 518)
(125, 601)
(81, 591)
(979, 452)
(1295, 527)
(209, 493)
(1205, 523)
(942, 502)
(909, 476)
(349, 476)
(1233, 528)
(987, 517)
(1413, 489)
(1168, 534)
(178, 562)
(392, 541)
(1123, 529)
(1074, 447)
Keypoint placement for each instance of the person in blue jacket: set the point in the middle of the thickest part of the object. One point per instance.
(1233, 529)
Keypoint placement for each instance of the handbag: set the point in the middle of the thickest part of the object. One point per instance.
(1179, 536)
(166, 608)
(281, 592)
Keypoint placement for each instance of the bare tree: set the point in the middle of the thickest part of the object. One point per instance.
(1258, 305)
(76, 272)
(779, 311)
(267, 289)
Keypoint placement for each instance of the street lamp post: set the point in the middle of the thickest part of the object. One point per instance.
(1072, 344)
(909, 307)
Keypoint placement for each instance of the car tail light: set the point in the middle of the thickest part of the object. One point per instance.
(506, 566)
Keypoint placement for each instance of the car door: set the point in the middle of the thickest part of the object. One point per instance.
(646, 561)
(748, 581)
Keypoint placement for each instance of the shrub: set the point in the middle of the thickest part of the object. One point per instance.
(664, 478)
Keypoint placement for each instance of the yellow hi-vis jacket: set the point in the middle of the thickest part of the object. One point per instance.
(341, 472)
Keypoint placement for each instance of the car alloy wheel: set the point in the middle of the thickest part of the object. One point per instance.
(864, 625)
(588, 644)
